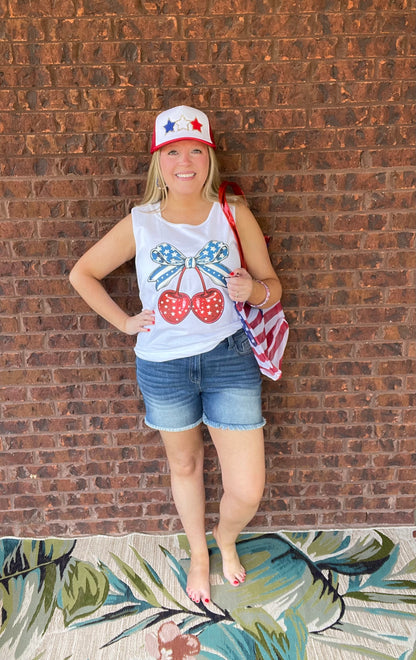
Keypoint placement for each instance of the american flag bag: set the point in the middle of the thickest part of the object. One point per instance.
(267, 330)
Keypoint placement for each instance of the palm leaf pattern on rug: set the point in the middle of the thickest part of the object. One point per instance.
(301, 586)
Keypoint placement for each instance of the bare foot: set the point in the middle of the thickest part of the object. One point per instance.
(233, 571)
(198, 587)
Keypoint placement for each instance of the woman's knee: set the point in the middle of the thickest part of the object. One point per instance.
(248, 496)
(254, 495)
(185, 452)
(186, 464)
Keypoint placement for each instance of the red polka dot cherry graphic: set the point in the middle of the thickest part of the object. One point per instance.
(207, 305)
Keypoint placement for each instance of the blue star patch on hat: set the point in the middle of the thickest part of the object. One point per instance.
(169, 126)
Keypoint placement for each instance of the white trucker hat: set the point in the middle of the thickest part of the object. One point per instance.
(181, 123)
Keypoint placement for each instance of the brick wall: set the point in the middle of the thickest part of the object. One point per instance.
(312, 106)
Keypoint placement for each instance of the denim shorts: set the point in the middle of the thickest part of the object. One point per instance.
(221, 388)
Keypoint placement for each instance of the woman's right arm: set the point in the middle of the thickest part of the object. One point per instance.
(113, 250)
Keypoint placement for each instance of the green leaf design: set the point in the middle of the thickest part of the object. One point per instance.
(84, 590)
(285, 641)
(266, 632)
(137, 582)
(285, 578)
(149, 621)
(224, 641)
(409, 568)
(20, 557)
(296, 638)
(291, 592)
(31, 576)
(176, 567)
(340, 552)
(381, 597)
(151, 573)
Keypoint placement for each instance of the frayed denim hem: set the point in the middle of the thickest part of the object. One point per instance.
(233, 427)
(172, 430)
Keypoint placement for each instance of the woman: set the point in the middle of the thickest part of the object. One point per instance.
(194, 363)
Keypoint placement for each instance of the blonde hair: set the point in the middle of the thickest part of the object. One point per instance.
(156, 190)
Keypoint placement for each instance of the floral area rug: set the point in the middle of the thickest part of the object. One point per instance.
(343, 595)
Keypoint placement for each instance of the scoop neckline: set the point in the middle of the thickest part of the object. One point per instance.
(185, 224)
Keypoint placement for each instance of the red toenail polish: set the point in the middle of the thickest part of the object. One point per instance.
(207, 600)
(235, 582)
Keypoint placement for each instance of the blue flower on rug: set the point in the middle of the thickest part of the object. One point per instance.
(305, 593)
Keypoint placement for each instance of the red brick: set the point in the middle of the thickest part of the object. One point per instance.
(214, 27)
(46, 9)
(313, 112)
(26, 76)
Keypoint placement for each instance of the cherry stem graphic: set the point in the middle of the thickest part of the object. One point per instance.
(180, 279)
(183, 273)
(201, 278)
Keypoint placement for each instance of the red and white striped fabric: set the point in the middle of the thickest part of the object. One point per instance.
(268, 332)
(267, 329)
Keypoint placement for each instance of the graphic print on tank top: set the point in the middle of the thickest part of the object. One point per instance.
(174, 305)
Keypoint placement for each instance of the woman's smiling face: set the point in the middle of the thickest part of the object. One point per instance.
(185, 166)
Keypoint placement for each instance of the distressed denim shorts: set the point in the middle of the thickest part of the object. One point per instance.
(221, 388)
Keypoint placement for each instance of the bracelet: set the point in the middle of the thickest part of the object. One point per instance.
(266, 297)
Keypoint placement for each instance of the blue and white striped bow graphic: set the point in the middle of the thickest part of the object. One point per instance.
(173, 261)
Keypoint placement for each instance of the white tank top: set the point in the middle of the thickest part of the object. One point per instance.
(181, 272)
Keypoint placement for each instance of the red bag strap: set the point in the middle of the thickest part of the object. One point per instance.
(227, 211)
